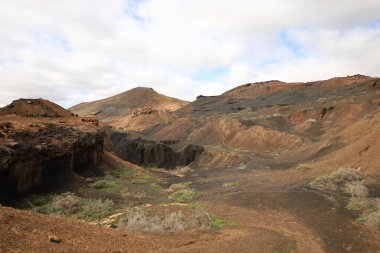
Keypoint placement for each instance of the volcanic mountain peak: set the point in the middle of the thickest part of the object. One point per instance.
(124, 103)
(257, 89)
(35, 108)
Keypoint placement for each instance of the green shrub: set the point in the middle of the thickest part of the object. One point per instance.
(37, 203)
(232, 184)
(359, 204)
(156, 187)
(69, 205)
(95, 209)
(101, 184)
(370, 219)
(204, 221)
(218, 223)
(108, 184)
(195, 205)
(184, 195)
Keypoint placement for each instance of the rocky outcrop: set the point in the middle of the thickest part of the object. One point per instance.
(142, 111)
(151, 153)
(35, 157)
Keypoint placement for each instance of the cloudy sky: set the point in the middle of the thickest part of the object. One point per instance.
(71, 51)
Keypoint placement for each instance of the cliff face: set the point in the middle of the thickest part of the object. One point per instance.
(36, 154)
(151, 153)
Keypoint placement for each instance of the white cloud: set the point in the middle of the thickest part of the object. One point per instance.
(73, 51)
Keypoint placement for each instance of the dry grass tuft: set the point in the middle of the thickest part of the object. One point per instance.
(138, 219)
(337, 180)
(350, 181)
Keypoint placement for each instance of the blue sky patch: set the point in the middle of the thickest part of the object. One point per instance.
(131, 10)
(291, 44)
(375, 24)
(52, 38)
(209, 74)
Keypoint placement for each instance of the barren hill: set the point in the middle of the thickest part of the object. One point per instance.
(299, 122)
(266, 94)
(35, 108)
(124, 103)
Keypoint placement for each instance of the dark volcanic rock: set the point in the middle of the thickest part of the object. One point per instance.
(31, 159)
(151, 153)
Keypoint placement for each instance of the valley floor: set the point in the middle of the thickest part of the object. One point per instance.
(272, 211)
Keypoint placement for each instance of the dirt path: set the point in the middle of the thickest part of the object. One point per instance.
(277, 203)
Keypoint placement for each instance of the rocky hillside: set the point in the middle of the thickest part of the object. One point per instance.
(35, 108)
(139, 100)
(268, 125)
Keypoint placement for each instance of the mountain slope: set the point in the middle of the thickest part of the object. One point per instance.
(267, 94)
(271, 124)
(125, 103)
(35, 108)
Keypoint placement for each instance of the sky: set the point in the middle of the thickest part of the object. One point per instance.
(83, 50)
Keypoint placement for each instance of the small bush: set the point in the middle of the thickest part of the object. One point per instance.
(204, 221)
(349, 181)
(356, 189)
(176, 187)
(232, 184)
(101, 184)
(69, 205)
(174, 222)
(138, 219)
(195, 205)
(370, 219)
(179, 186)
(336, 180)
(359, 204)
(218, 223)
(369, 209)
(108, 184)
(345, 175)
(66, 204)
(184, 195)
(155, 187)
(95, 209)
